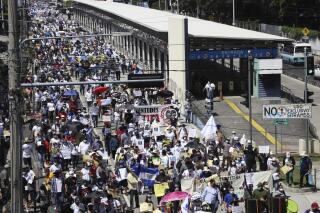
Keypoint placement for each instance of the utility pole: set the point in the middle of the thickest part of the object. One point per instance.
(14, 109)
(306, 95)
(2, 15)
(249, 95)
(233, 13)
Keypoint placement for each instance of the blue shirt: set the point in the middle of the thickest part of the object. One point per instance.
(210, 194)
(229, 198)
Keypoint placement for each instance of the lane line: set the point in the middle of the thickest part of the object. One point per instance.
(255, 124)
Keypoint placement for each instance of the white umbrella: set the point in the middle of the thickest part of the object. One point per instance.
(210, 128)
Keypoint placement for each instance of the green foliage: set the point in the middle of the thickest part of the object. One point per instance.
(296, 32)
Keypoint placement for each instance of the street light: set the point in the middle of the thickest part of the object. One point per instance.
(249, 95)
(233, 14)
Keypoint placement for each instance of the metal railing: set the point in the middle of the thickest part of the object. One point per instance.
(292, 98)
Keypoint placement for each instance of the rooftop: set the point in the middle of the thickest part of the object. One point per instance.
(157, 21)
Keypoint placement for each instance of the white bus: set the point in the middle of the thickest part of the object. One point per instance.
(294, 53)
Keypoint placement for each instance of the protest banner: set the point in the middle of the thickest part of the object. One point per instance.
(192, 133)
(239, 182)
(187, 185)
(160, 189)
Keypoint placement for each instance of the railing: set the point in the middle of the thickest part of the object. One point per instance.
(4, 27)
(292, 98)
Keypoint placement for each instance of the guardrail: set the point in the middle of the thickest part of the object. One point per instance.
(310, 80)
(289, 95)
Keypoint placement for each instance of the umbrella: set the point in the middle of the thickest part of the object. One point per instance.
(70, 93)
(174, 196)
(195, 145)
(165, 93)
(99, 90)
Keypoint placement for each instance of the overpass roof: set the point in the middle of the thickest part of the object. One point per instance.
(157, 20)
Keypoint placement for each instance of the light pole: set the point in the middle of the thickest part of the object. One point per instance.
(249, 95)
(233, 13)
(306, 95)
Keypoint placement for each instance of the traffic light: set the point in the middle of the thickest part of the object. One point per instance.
(310, 65)
(309, 93)
(246, 101)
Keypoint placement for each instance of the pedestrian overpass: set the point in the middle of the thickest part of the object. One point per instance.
(186, 50)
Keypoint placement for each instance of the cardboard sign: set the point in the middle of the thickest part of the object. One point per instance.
(160, 189)
(140, 144)
(192, 133)
(264, 149)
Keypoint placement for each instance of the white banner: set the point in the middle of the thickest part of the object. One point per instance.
(151, 109)
(287, 111)
(238, 182)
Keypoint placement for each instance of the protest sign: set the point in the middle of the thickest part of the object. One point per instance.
(285, 169)
(160, 189)
(187, 185)
(192, 133)
(264, 149)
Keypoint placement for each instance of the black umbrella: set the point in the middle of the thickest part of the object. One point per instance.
(165, 93)
(75, 126)
(195, 145)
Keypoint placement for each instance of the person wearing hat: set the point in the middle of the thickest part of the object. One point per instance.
(305, 167)
(290, 162)
(261, 195)
(314, 208)
(27, 152)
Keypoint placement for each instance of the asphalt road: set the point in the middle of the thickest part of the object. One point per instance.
(296, 72)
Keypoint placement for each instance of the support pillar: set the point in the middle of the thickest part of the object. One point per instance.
(178, 34)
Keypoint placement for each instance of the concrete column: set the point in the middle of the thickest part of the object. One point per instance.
(165, 66)
(159, 59)
(153, 49)
(148, 55)
(231, 64)
(178, 34)
(139, 50)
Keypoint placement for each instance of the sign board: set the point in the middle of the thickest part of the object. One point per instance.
(305, 31)
(192, 133)
(150, 109)
(264, 149)
(241, 53)
(291, 111)
(143, 77)
(280, 122)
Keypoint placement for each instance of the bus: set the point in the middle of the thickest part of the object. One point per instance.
(294, 53)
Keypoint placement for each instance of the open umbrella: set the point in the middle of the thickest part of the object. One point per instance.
(99, 90)
(165, 93)
(174, 196)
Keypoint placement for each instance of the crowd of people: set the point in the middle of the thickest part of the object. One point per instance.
(97, 153)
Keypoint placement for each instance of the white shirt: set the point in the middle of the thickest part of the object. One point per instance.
(85, 174)
(26, 150)
(66, 151)
(84, 147)
(53, 168)
(50, 106)
(88, 96)
(164, 161)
